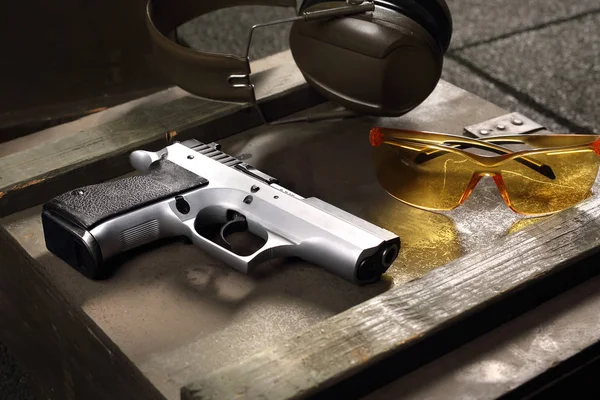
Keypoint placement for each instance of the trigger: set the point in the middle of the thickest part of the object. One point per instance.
(237, 224)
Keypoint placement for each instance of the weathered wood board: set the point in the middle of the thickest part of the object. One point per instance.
(185, 320)
(526, 355)
(403, 316)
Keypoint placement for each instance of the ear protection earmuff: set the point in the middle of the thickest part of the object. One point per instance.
(379, 58)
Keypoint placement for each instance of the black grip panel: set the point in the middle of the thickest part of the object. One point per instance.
(90, 205)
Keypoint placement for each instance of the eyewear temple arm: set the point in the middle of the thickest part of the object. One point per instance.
(378, 135)
(543, 169)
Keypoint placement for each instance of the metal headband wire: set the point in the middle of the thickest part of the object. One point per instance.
(355, 7)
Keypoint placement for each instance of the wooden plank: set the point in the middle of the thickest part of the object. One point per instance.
(31, 307)
(223, 316)
(63, 131)
(167, 284)
(517, 358)
(45, 169)
(19, 123)
(352, 341)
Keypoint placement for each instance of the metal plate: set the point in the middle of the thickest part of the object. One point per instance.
(505, 125)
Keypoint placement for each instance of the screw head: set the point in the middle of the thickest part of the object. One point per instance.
(276, 197)
(190, 157)
(517, 122)
(248, 199)
(254, 189)
(484, 131)
(501, 127)
(77, 192)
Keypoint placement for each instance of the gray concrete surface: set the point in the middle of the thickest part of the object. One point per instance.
(538, 57)
(557, 68)
(477, 21)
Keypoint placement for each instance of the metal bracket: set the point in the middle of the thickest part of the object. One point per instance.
(505, 125)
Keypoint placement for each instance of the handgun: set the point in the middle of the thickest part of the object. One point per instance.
(193, 190)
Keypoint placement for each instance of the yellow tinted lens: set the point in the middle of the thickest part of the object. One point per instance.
(420, 176)
(534, 192)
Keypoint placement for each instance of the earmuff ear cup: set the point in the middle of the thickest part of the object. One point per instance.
(433, 15)
(382, 64)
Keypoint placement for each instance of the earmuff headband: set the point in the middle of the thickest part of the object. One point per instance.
(224, 77)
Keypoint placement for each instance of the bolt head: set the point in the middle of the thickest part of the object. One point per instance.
(484, 132)
(517, 122)
(501, 127)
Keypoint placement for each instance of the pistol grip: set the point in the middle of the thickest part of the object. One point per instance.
(69, 219)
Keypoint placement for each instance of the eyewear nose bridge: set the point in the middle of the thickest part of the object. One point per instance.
(493, 173)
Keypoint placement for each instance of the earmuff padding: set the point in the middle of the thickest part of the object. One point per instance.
(433, 15)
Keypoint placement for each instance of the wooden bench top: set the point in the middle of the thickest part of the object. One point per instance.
(181, 323)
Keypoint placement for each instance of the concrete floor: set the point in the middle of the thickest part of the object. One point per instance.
(537, 57)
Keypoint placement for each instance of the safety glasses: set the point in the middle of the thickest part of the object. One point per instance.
(435, 171)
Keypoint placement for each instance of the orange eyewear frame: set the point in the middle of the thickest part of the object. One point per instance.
(551, 175)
